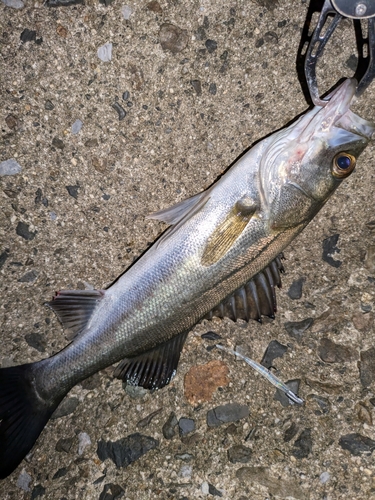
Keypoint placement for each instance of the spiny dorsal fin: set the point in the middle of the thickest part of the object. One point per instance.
(255, 299)
(155, 368)
(74, 308)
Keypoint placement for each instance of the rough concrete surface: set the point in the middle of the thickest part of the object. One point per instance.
(223, 77)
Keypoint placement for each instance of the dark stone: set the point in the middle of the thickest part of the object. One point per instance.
(36, 341)
(126, 95)
(154, 6)
(268, 4)
(38, 491)
(22, 230)
(330, 248)
(173, 38)
(147, 420)
(212, 88)
(65, 408)
(39, 198)
(28, 36)
(303, 445)
(200, 34)
(367, 367)
(62, 3)
(357, 444)
(49, 105)
(111, 492)
(169, 427)
(231, 412)
(211, 336)
(127, 450)
(259, 42)
(239, 454)
(64, 444)
(273, 351)
(58, 143)
(120, 110)
(271, 37)
(213, 491)
(60, 473)
(11, 121)
(29, 277)
(186, 425)
(197, 86)
(91, 143)
(323, 403)
(297, 328)
(330, 352)
(295, 289)
(290, 432)
(211, 46)
(352, 62)
(3, 257)
(282, 397)
(99, 480)
(73, 190)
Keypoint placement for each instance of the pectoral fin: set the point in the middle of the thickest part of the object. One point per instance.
(224, 236)
(255, 299)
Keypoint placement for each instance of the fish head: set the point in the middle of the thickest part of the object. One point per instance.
(307, 161)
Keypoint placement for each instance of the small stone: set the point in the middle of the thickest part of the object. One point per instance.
(352, 62)
(135, 391)
(29, 277)
(83, 442)
(186, 471)
(196, 84)
(295, 289)
(105, 52)
(38, 491)
(60, 473)
(65, 408)
(367, 367)
(329, 249)
(211, 336)
(273, 351)
(282, 397)
(73, 190)
(112, 492)
(64, 444)
(154, 6)
(232, 412)
(10, 167)
(322, 402)
(169, 427)
(271, 37)
(290, 432)
(14, 4)
(303, 445)
(186, 425)
(3, 257)
(297, 328)
(212, 88)
(49, 105)
(324, 477)
(62, 31)
(58, 143)
(91, 143)
(211, 46)
(28, 36)
(147, 420)
(330, 352)
(357, 444)
(11, 121)
(363, 413)
(214, 491)
(205, 488)
(201, 381)
(76, 127)
(239, 454)
(126, 95)
(120, 110)
(22, 230)
(127, 450)
(173, 38)
(36, 340)
(186, 457)
(24, 480)
(126, 12)
(363, 322)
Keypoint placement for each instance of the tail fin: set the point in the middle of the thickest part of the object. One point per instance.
(23, 416)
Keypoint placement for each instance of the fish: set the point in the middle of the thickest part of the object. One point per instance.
(219, 257)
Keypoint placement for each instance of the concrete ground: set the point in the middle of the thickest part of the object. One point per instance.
(75, 214)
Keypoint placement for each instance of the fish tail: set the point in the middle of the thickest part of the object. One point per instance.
(23, 415)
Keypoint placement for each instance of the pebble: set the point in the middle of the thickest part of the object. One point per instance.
(11, 121)
(105, 52)
(29, 277)
(211, 336)
(36, 340)
(367, 367)
(126, 450)
(154, 6)
(10, 167)
(186, 425)
(112, 492)
(239, 454)
(211, 46)
(186, 457)
(67, 407)
(49, 105)
(186, 471)
(53, 215)
(73, 190)
(22, 230)
(273, 351)
(323, 403)
(28, 36)
(3, 257)
(330, 352)
(297, 328)
(231, 412)
(357, 444)
(147, 420)
(60, 473)
(214, 491)
(282, 397)
(62, 31)
(303, 445)
(76, 127)
(169, 428)
(290, 432)
(324, 477)
(363, 413)
(24, 480)
(58, 143)
(363, 322)
(38, 491)
(212, 89)
(83, 442)
(329, 249)
(135, 391)
(64, 444)
(173, 38)
(126, 95)
(126, 11)
(120, 110)
(202, 381)
(197, 86)
(14, 4)
(295, 289)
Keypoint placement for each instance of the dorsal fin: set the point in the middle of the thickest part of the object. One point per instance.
(74, 308)
(155, 368)
(255, 299)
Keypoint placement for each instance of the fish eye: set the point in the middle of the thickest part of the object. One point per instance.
(343, 165)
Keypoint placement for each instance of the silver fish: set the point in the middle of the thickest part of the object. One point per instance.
(219, 257)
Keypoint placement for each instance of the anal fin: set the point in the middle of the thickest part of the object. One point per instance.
(155, 368)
